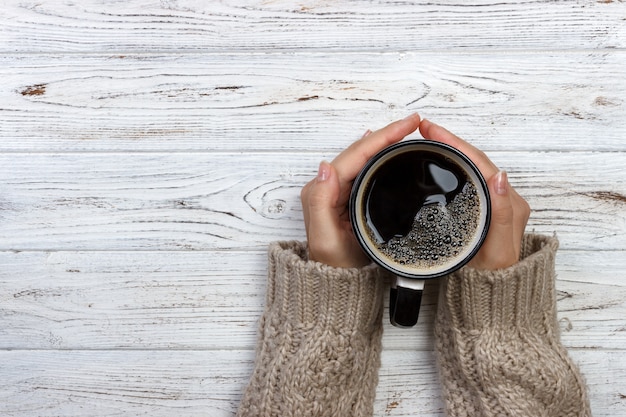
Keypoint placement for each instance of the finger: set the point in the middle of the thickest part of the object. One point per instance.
(521, 214)
(500, 248)
(432, 131)
(320, 206)
(306, 189)
(501, 205)
(312, 191)
(349, 162)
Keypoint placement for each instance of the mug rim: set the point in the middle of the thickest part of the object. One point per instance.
(420, 143)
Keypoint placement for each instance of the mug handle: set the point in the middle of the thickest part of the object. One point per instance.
(405, 299)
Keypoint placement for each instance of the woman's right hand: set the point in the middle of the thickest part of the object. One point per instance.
(325, 199)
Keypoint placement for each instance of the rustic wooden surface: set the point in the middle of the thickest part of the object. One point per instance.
(149, 152)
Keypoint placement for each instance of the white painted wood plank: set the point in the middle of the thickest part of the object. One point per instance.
(210, 383)
(253, 25)
(213, 300)
(510, 101)
(96, 300)
(181, 201)
(142, 138)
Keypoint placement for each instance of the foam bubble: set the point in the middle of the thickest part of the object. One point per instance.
(439, 234)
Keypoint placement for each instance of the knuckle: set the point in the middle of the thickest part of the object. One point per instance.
(503, 216)
(316, 199)
(305, 192)
(523, 208)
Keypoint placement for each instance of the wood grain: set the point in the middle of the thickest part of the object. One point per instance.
(149, 152)
(206, 201)
(200, 383)
(213, 300)
(252, 26)
(309, 101)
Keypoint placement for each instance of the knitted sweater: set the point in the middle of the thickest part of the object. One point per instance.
(496, 339)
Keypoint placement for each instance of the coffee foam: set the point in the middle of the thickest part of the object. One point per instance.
(439, 235)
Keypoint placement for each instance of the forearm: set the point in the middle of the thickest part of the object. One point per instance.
(319, 346)
(497, 341)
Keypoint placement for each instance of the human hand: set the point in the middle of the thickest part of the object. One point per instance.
(509, 211)
(325, 199)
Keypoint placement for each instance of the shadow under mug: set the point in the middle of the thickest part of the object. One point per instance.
(420, 210)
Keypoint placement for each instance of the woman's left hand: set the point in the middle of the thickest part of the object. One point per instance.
(509, 211)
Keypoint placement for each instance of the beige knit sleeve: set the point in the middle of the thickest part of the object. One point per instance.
(497, 341)
(318, 352)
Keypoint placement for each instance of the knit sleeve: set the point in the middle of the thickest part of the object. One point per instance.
(497, 341)
(318, 352)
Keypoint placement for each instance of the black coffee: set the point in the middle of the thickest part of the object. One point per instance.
(422, 210)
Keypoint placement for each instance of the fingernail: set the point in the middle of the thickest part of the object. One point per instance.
(410, 116)
(502, 183)
(367, 133)
(324, 171)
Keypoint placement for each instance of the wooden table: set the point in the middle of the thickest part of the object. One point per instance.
(149, 152)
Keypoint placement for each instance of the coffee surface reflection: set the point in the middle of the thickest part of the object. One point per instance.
(421, 209)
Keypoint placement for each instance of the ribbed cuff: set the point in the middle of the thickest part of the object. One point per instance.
(497, 343)
(309, 294)
(320, 339)
(520, 296)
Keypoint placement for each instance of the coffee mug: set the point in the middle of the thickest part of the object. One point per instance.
(421, 210)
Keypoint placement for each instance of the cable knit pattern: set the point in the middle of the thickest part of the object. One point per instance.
(320, 339)
(497, 341)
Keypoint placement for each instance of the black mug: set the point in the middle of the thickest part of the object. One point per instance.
(421, 210)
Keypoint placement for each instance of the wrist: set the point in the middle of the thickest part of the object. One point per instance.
(306, 293)
(522, 295)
